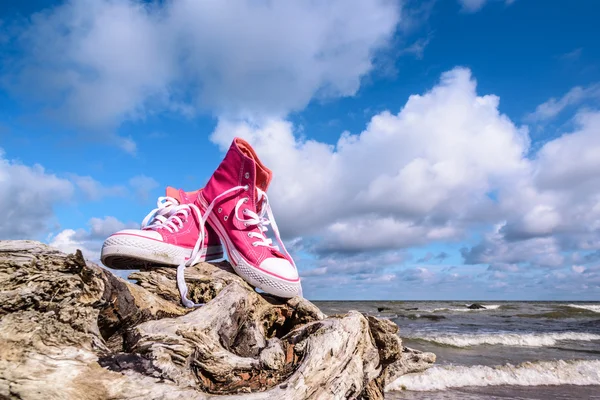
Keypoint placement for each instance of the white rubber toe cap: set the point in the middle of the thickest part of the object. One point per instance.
(281, 268)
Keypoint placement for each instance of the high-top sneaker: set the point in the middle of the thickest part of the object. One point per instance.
(167, 236)
(235, 203)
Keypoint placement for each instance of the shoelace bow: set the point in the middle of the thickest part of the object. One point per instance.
(262, 220)
(168, 214)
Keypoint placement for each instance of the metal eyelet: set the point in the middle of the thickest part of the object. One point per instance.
(254, 244)
(246, 187)
(249, 234)
(247, 175)
(225, 218)
(220, 209)
(245, 224)
(246, 199)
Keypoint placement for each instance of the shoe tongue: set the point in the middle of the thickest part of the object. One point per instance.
(175, 193)
(259, 203)
(181, 196)
(262, 174)
(185, 198)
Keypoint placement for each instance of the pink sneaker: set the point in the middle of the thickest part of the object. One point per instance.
(168, 236)
(234, 202)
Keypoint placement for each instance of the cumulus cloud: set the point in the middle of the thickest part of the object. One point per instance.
(447, 163)
(410, 178)
(103, 62)
(89, 241)
(28, 196)
(66, 242)
(561, 195)
(552, 213)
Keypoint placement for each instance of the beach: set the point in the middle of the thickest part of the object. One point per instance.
(523, 350)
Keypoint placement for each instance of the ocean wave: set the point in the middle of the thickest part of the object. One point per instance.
(589, 307)
(507, 339)
(526, 374)
(466, 309)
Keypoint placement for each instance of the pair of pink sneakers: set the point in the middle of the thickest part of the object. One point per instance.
(189, 227)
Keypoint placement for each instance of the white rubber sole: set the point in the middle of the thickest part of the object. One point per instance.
(254, 276)
(133, 252)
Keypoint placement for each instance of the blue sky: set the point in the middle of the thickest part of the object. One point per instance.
(421, 150)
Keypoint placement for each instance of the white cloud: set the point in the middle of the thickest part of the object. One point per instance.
(572, 55)
(94, 190)
(381, 233)
(417, 48)
(127, 144)
(66, 242)
(503, 267)
(578, 269)
(142, 186)
(415, 13)
(28, 195)
(553, 212)
(447, 162)
(553, 107)
(572, 160)
(106, 61)
(503, 255)
(472, 6)
(89, 241)
(101, 228)
(416, 274)
(352, 264)
(561, 196)
(415, 177)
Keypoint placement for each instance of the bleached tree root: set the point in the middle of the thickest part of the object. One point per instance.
(72, 330)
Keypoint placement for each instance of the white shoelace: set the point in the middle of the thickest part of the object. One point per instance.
(262, 220)
(165, 215)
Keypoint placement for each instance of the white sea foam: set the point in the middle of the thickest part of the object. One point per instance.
(466, 309)
(525, 374)
(589, 307)
(491, 306)
(507, 339)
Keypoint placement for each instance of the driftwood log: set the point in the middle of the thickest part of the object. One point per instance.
(72, 330)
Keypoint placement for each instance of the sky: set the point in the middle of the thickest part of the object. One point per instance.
(421, 150)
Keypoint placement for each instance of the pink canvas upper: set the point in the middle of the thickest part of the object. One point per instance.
(240, 167)
(188, 234)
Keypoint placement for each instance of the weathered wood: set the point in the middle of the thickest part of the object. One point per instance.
(72, 330)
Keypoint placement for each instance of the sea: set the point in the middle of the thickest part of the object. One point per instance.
(507, 350)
